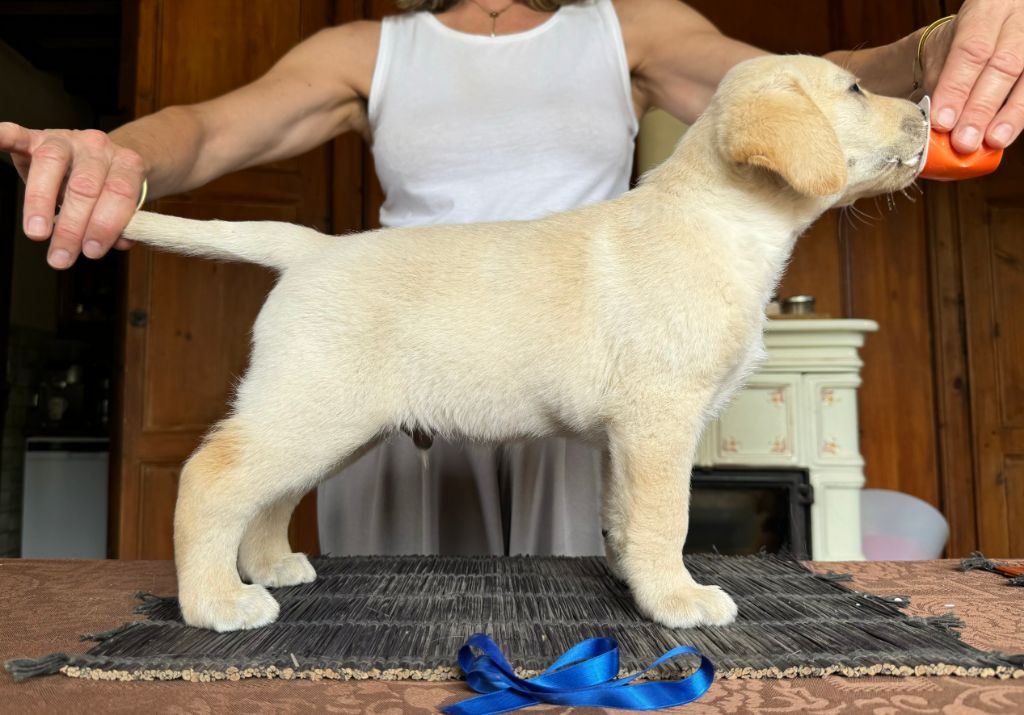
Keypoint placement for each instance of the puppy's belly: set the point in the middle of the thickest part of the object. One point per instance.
(517, 384)
(503, 413)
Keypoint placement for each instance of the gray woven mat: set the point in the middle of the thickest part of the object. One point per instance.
(406, 617)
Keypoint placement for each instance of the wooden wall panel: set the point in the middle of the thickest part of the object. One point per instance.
(1007, 265)
(229, 58)
(888, 265)
(991, 213)
(952, 396)
(792, 26)
(817, 267)
(177, 354)
(1013, 472)
(158, 489)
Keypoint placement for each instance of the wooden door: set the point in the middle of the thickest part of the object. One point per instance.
(187, 321)
(991, 218)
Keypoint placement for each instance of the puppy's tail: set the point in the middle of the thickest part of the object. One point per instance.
(268, 243)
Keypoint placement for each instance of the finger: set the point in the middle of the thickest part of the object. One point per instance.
(123, 244)
(85, 183)
(115, 206)
(17, 141)
(15, 138)
(50, 162)
(1007, 125)
(969, 53)
(990, 91)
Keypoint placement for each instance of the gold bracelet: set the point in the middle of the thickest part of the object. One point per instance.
(919, 60)
(142, 194)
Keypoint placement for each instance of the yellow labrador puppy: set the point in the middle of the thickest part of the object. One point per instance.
(631, 321)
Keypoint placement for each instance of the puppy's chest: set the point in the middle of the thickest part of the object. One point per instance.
(749, 359)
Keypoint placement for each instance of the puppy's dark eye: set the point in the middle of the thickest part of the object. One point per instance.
(855, 88)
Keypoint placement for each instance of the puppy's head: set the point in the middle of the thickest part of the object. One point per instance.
(808, 122)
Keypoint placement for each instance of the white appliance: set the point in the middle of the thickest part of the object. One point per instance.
(64, 512)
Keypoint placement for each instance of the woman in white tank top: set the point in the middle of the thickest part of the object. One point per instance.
(470, 128)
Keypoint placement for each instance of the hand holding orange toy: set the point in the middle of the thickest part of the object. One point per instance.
(942, 162)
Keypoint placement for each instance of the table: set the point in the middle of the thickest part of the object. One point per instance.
(46, 605)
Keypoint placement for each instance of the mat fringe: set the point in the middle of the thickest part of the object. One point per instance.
(977, 561)
(446, 674)
(24, 668)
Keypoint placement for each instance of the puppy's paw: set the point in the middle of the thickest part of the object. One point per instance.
(249, 606)
(292, 570)
(688, 605)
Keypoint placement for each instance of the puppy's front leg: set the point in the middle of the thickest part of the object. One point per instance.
(647, 517)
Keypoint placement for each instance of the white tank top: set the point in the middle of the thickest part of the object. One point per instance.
(470, 128)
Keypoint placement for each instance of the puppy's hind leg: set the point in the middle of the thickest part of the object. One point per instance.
(215, 502)
(265, 556)
(228, 483)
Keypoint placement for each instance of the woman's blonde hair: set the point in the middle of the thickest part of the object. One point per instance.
(442, 5)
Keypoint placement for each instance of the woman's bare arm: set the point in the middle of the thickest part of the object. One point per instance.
(676, 55)
(311, 95)
(973, 66)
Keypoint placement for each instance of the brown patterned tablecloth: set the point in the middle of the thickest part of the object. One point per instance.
(46, 605)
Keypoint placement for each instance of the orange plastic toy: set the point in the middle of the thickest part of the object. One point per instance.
(942, 162)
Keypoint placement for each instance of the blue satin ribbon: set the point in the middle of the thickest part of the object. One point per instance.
(585, 675)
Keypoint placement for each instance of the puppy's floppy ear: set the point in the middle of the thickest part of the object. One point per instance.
(779, 128)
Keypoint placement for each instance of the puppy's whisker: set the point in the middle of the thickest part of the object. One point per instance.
(847, 215)
(908, 196)
(857, 220)
(877, 216)
(856, 216)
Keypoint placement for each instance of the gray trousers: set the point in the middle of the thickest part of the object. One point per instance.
(540, 497)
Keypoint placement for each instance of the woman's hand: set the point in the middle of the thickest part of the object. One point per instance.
(93, 182)
(974, 65)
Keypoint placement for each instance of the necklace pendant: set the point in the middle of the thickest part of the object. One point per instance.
(494, 14)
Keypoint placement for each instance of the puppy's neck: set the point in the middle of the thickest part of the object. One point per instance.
(764, 215)
(766, 209)
(697, 170)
